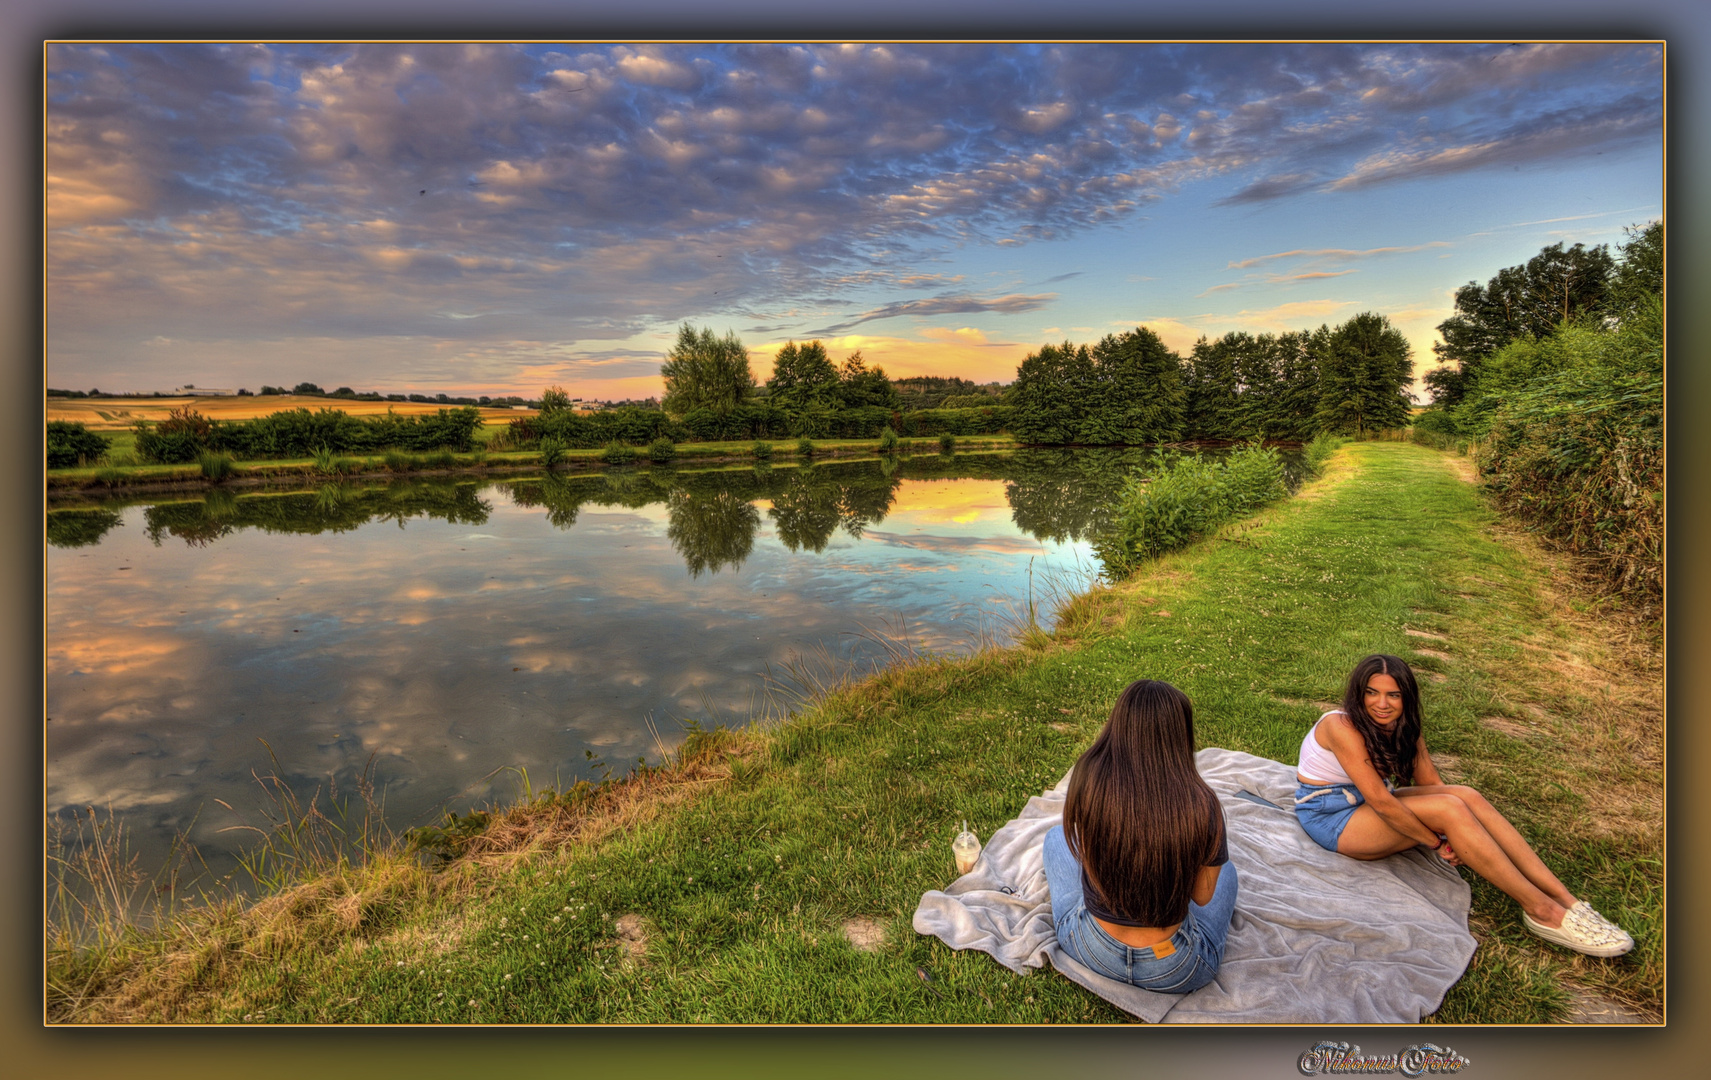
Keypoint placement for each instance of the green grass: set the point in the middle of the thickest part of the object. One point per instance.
(742, 862)
(121, 468)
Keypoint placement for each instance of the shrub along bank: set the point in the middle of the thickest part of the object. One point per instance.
(638, 426)
(734, 885)
(185, 435)
(70, 444)
(1557, 378)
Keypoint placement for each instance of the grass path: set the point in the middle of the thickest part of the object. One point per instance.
(730, 888)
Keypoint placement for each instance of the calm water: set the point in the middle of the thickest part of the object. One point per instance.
(445, 630)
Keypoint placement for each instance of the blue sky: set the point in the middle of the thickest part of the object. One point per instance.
(499, 218)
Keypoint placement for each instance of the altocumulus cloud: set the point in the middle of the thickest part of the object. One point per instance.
(583, 193)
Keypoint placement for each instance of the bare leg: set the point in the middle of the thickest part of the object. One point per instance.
(1508, 838)
(1368, 836)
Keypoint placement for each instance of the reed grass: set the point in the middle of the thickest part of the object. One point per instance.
(216, 466)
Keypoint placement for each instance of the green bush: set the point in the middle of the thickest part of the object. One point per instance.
(616, 453)
(1182, 500)
(804, 448)
(440, 459)
(763, 451)
(71, 444)
(888, 441)
(1437, 441)
(216, 466)
(947, 443)
(661, 451)
(1579, 456)
(1319, 450)
(552, 451)
(300, 432)
(399, 461)
(987, 420)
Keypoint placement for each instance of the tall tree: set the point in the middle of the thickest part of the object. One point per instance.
(1053, 390)
(860, 385)
(1362, 370)
(1140, 395)
(554, 399)
(1639, 275)
(1555, 286)
(802, 378)
(1209, 377)
(1291, 406)
(705, 372)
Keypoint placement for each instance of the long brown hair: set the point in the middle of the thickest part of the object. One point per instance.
(1138, 816)
(1391, 747)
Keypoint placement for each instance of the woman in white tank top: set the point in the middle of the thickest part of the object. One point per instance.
(1346, 804)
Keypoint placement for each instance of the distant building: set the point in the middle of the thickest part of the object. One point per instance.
(201, 391)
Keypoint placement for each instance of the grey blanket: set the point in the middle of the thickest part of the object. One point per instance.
(1316, 937)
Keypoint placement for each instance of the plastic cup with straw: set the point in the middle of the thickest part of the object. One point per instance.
(966, 848)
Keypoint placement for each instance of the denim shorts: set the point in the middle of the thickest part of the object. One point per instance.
(1325, 811)
(1186, 961)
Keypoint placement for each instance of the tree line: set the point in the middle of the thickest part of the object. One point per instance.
(1131, 388)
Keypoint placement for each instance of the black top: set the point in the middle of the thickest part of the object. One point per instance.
(1096, 908)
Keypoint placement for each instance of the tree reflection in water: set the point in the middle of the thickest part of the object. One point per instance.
(1055, 494)
(711, 530)
(330, 508)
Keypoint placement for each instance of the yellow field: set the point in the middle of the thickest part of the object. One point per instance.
(120, 413)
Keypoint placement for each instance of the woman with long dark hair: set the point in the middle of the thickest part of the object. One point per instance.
(1369, 789)
(1139, 872)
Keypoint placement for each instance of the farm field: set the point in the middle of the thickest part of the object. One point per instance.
(114, 414)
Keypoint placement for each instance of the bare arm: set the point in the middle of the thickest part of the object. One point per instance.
(1345, 742)
(1425, 773)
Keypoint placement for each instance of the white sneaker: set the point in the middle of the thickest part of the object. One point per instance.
(1584, 930)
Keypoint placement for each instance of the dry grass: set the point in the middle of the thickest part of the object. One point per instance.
(548, 825)
(1602, 666)
(100, 414)
(865, 934)
(634, 933)
(165, 978)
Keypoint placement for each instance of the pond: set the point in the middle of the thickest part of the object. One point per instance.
(446, 634)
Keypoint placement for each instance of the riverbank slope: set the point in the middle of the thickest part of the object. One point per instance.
(769, 876)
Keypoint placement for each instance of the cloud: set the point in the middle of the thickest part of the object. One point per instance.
(962, 335)
(1569, 132)
(1271, 187)
(957, 304)
(473, 194)
(1293, 313)
(1335, 254)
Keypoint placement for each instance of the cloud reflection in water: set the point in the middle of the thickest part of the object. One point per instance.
(400, 636)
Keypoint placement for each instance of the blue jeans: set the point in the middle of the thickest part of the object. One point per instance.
(1198, 943)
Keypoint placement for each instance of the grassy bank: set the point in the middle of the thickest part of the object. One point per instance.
(145, 476)
(737, 884)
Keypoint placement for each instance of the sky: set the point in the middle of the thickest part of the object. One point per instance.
(499, 218)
